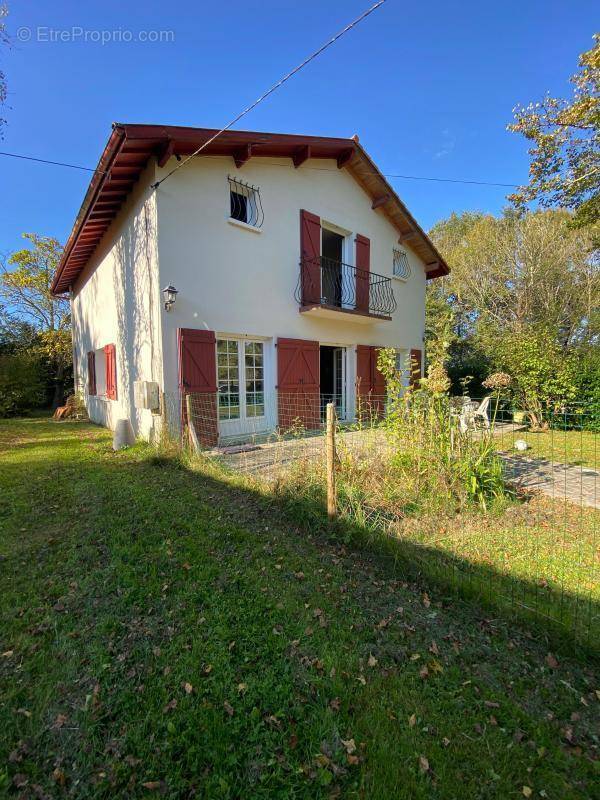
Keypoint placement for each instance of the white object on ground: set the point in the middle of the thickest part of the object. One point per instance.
(521, 444)
(123, 436)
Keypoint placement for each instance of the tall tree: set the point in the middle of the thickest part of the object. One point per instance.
(524, 294)
(517, 271)
(25, 280)
(565, 151)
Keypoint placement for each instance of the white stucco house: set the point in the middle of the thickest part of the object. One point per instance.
(292, 258)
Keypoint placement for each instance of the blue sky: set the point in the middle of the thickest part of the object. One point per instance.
(429, 87)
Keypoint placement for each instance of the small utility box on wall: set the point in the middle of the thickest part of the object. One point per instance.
(146, 395)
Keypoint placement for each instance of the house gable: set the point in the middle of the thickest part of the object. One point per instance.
(130, 147)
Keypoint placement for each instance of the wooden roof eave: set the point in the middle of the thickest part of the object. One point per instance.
(110, 153)
(130, 147)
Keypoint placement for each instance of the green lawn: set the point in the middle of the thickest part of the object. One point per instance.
(564, 447)
(167, 632)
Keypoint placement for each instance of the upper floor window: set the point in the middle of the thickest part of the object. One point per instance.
(244, 203)
(401, 265)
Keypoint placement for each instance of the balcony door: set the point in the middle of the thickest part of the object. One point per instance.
(332, 256)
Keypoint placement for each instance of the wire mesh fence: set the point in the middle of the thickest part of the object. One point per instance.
(478, 494)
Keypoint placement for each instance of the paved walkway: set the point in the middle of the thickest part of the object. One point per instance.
(580, 485)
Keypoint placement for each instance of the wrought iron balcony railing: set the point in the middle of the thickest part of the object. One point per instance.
(332, 284)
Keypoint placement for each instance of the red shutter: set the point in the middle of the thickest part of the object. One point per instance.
(416, 368)
(379, 387)
(110, 363)
(363, 267)
(198, 376)
(363, 369)
(91, 365)
(298, 383)
(370, 383)
(310, 257)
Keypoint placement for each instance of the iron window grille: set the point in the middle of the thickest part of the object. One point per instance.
(401, 265)
(244, 203)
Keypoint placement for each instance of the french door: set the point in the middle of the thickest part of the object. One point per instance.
(339, 381)
(241, 386)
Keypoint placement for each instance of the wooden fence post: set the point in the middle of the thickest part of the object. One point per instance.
(330, 435)
(193, 438)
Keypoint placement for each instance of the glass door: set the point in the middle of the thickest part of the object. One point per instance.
(241, 386)
(339, 381)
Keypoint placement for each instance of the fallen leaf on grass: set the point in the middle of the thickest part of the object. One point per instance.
(187, 687)
(551, 661)
(335, 704)
(350, 746)
(228, 708)
(372, 662)
(423, 764)
(434, 649)
(152, 785)
(426, 600)
(20, 780)
(59, 721)
(170, 706)
(7, 653)
(59, 776)
(242, 688)
(412, 720)
(527, 792)
(352, 760)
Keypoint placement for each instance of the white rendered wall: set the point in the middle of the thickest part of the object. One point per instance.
(117, 301)
(234, 280)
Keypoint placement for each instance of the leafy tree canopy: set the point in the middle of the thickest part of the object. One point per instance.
(512, 272)
(25, 281)
(565, 151)
(32, 321)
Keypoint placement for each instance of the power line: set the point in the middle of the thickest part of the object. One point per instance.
(274, 88)
(401, 176)
(289, 166)
(46, 161)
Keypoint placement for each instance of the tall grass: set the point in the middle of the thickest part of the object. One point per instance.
(411, 458)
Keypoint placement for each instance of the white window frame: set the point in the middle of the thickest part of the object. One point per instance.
(348, 377)
(100, 364)
(243, 424)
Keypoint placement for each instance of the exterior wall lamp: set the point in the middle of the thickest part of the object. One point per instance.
(170, 295)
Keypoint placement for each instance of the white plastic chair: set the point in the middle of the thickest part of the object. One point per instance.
(472, 413)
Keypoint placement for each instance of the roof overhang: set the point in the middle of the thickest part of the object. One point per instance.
(130, 147)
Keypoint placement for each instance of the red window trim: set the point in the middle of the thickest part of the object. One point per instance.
(110, 366)
(91, 365)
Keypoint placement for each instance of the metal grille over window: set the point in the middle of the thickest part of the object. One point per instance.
(401, 265)
(245, 203)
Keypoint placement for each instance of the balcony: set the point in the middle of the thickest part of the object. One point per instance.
(332, 289)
